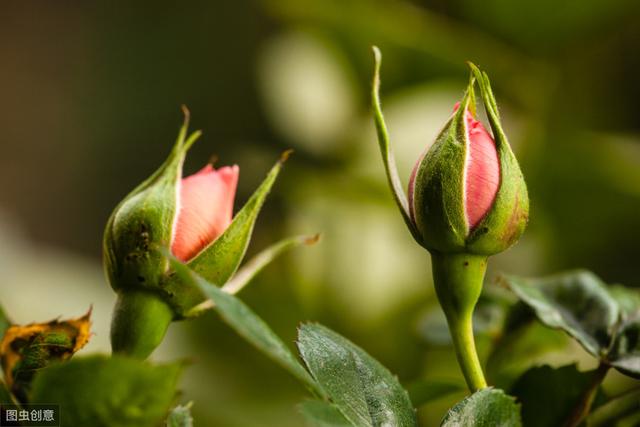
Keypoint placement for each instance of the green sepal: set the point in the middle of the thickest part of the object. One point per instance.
(143, 221)
(251, 268)
(438, 193)
(505, 222)
(219, 260)
(387, 153)
(437, 211)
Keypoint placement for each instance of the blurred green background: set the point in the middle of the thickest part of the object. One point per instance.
(90, 107)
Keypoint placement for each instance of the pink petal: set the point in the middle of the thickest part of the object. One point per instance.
(482, 172)
(205, 209)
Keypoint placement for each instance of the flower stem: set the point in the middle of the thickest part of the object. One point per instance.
(458, 281)
(140, 321)
(582, 409)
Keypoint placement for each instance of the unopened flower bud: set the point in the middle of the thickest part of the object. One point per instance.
(181, 214)
(467, 193)
(165, 214)
(190, 219)
(467, 200)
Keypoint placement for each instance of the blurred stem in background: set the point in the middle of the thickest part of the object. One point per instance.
(583, 408)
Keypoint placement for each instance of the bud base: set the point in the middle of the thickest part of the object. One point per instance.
(140, 321)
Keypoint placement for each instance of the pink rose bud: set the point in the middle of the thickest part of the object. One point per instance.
(467, 200)
(205, 209)
(165, 214)
(168, 214)
(467, 193)
(190, 218)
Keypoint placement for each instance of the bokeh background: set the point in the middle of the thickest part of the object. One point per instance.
(90, 105)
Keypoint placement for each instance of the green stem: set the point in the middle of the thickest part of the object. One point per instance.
(140, 321)
(617, 408)
(458, 281)
(582, 409)
(623, 394)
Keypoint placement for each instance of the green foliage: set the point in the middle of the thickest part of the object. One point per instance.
(576, 302)
(624, 353)
(548, 395)
(579, 303)
(26, 349)
(488, 407)
(322, 414)
(628, 299)
(567, 82)
(43, 349)
(365, 392)
(180, 416)
(99, 391)
(362, 389)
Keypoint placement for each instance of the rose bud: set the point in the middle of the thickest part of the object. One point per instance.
(467, 194)
(467, 200)
(187, 218)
